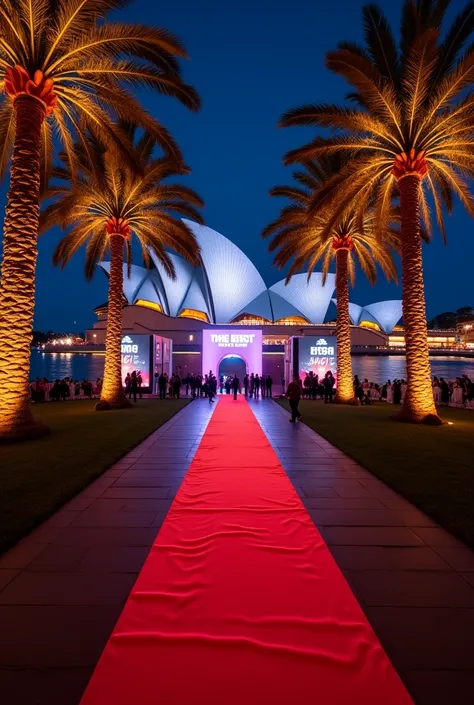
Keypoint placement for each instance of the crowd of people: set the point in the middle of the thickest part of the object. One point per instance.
(252, 385)
(64, 389)
(457, 393)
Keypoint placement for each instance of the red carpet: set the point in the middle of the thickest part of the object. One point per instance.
(240, 601)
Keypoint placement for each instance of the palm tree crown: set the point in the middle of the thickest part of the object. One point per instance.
(108, 197)
(304, 240)
(79, 68)
(414, 116)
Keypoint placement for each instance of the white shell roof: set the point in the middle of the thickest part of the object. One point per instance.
(282, 308)
(228, 284)
(175, 290)
(386, 313)
(149, 292)
(232, 278)
(194, 298)
(260, 306)
(309, 297)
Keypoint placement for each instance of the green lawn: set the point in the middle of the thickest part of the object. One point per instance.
(37, 477)
(433, 467)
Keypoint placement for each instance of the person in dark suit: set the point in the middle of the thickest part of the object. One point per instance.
(133, 386)
(269, 385)
(235, 386)
(328, 387)
(256, 386)
(162, 383)
(293, 394)
(397, 392)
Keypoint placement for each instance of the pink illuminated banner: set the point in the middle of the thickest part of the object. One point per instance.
(317, 355)
(243, 343)
(136, 356)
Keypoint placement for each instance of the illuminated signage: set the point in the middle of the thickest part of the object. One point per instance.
(232, 340)
(245, 343)
(317, 355)
(128, 346)
(136, 356)
(322, 348)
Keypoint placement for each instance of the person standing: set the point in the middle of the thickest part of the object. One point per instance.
(328, 387)
(133, 386)
(269, 384)
(127, 384)
(252, 384)
(212, 387)
(293, 394)
(162, 385)
(397, 391)
(235, 386)
(139, 383)
(256, 384)
(177, 386)
(246, 384)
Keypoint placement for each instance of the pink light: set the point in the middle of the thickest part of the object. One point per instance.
(219, 343)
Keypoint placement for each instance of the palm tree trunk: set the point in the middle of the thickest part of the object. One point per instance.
(418, 406)
(17, 288)
(112, 395)
(345, 386)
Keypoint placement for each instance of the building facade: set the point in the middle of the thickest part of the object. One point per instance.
(226, 296)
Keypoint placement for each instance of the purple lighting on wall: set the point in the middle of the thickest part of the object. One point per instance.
(219, 343)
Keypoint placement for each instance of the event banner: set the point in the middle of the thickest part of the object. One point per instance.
(317, 355)
(136, 356)
(244, 343)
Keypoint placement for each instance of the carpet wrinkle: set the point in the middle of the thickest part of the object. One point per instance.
(240, 601)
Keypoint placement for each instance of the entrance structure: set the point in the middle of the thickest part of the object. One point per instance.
(231, 365)
(219, 344)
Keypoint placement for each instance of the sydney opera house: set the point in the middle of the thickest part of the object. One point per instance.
(226, 293)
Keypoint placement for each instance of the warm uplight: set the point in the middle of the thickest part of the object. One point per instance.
(192, 313)
(369, 324)
(148, 304)
(450, 423)
(248, 319)
(292, 321)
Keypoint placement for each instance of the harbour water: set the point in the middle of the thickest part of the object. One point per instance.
(375, 369)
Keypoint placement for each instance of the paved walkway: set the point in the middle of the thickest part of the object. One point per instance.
(414, 581)
(63, 588)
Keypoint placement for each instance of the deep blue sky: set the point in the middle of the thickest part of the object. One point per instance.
(250, 61)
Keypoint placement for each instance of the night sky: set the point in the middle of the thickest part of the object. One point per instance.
(251, 60)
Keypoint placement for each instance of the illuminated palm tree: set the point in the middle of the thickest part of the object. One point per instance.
(304, 239)
(104, 206)
(62, 68)
(411, 137)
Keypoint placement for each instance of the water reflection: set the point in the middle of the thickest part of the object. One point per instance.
(376, 369)
(60, 365)
(379, 369)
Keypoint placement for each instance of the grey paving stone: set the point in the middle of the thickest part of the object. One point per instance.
(404, 588)
(67, 589)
